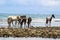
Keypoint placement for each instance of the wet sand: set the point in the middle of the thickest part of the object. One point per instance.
(44, 32)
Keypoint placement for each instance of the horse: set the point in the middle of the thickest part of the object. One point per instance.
(11, 19)
(22, 20)
(29, 21)
(49, 19)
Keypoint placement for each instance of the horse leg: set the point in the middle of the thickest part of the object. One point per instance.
(28, 25)
(9, 24)
(24, 24)
(21, 24)
(15, 23)
(46, 23)
(49, 23)
(12, 22)
(18, 23)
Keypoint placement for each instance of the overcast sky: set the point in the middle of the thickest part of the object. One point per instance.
(30, 6)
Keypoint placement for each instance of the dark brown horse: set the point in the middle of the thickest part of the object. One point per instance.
(29, 21)
(22, 20)
(49, 19)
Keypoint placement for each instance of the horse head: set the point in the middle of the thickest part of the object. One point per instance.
(23, 17)
(18, 17)
(53, 15)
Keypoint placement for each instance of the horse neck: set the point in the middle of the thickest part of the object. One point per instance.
(51, 17)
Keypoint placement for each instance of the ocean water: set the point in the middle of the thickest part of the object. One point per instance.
(37, 19)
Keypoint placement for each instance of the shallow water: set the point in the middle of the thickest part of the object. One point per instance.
(10, 38)
(34, 23)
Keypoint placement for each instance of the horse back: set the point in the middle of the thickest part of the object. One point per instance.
(13, 17)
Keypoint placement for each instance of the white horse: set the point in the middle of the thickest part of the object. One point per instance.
(49, 19)
(11, 19)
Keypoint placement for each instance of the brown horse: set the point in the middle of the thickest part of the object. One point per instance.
(49, 19)
(11, 19)
(29, 21)
(22, 20)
